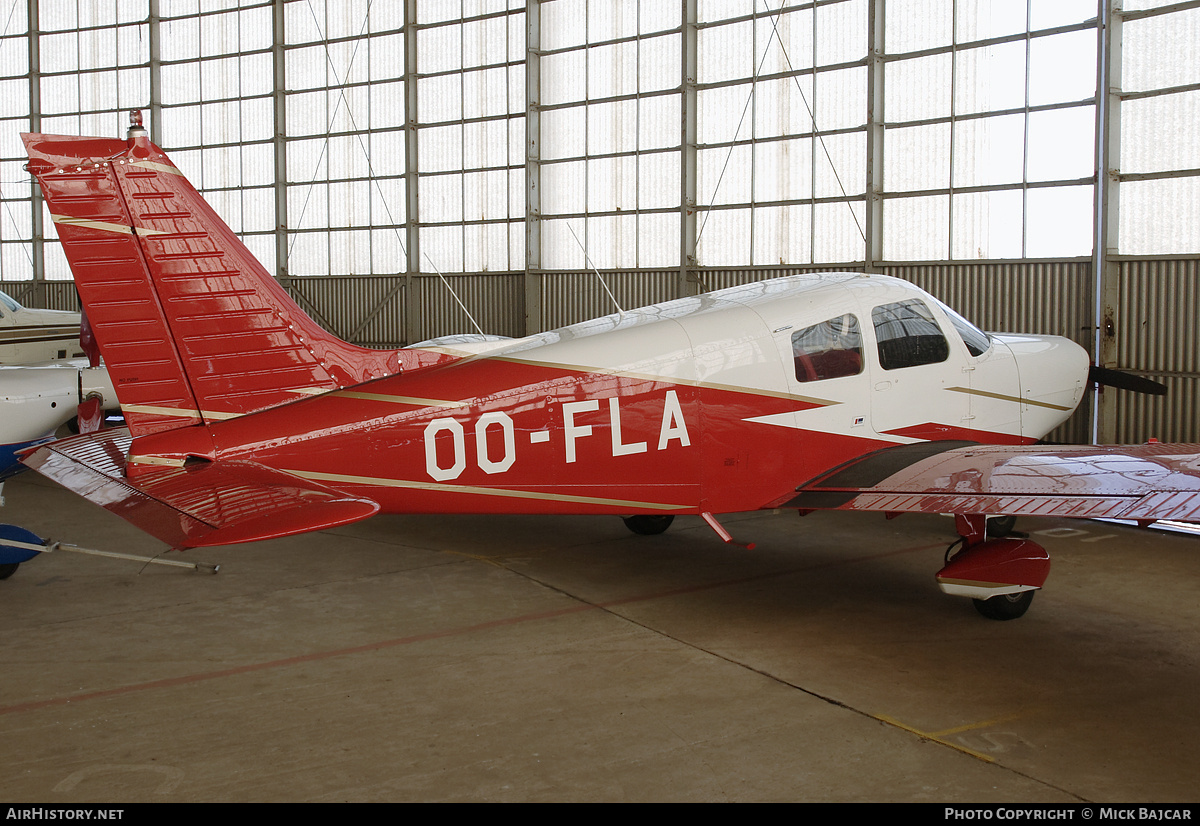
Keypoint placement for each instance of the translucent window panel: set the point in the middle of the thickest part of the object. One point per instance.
(1062, 144)
(348, 157)
(307, 160)
(784, 42)
(726, 52)
(385, 55)
(989, 78)
(221, 122)
(564, 133)
(133, 87)
(1062, 67)
(440, 148)
(837, 231)
(659, 122)
(841, 32)
(485, 93)
(782, 235)
(97, 49)
(388, 201)
(180, 38)
(916, 157)
(308, 206)
(387, 104)
(564, 79)
(559, 250)
(917, 89)
(180, 83)
(60, 93)
(255, 29)
(387, 251)
(15, 262)
(1160, 133)
(14, 55)
(258, 164)
(840, 157)
(723, 114)
(516, 192)
(912, 25)
(613, 70)
(439, 49)
(609, 21)
(658, 240)
(221, 167)
(783, 170)
(1059, 221)
(658, 180)
(779, 107)
(441, 248)
(722, 175)
(485, 247)
(485, 42)
(658, 17)
(725, 239)
(1045, 14)
(838, 98)
(485, 195)
(612, 127)
(219, 34)
(350, 204)
(611, 241)
(564, 23)
(1160, 217)
(659, 63)
(986, 225)
(612, 184)
(983, 19)
(306, 67)
(258, 210)
(713, 10)
(485, 144)
(350, 252)
(916, 229)
(1160, 51)
(308, 253)
(60, 51)
(55, 266)
(989, 151)
(564, 187)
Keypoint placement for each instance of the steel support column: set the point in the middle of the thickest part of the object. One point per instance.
(688, 285)
(279, 100)
(534, 295)
(1106, 242)
(38, 240)
(873, 252)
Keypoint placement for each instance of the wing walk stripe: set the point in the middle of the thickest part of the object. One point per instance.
(187, 413)
(515, 494)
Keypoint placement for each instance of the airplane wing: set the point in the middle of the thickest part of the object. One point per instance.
(197, 505)
(1138, 482)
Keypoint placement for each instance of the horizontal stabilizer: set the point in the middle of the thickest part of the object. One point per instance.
(200, 504)
(1138, 482)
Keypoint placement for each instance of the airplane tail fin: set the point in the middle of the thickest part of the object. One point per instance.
(192, 328)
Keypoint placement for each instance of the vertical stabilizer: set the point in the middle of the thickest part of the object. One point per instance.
(192, 327)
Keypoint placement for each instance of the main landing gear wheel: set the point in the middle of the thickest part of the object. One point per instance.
(1001, 526)
(648, 524)
(1005, 606)
(8, 570)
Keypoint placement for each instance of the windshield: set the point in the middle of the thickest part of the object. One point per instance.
(977, 340)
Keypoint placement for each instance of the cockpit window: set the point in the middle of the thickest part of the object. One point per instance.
(908, 335)
(828, 350)
(977, 340)
(8, 303)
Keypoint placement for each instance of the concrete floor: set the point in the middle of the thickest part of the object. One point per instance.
(553, 658)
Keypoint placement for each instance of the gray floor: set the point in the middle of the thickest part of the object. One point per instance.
(554, 658)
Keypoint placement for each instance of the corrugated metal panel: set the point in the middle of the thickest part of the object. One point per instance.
(578, 296)
(719, 279)
(365, 310)
(496, 300)
(1157, 337)
(44, 295)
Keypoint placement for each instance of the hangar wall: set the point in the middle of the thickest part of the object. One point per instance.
(372, 153)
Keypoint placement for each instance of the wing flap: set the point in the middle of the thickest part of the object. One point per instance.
(1143, 482)
(208, 503)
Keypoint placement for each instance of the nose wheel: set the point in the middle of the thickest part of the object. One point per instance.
(1005, 606)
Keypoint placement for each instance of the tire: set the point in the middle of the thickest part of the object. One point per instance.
(1001, 526)
(1005, 606)
(8, 570)
(648, 524)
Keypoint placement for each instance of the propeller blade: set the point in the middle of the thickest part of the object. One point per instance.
(1125, 381)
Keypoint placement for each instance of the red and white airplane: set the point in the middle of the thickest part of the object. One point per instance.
(247, 421)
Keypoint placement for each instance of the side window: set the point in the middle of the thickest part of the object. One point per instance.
(908, 335)
(828, 350)
(977, 340)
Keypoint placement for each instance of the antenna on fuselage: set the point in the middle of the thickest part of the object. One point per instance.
(588, 259)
